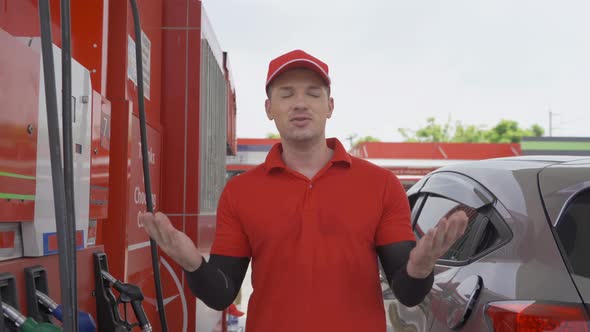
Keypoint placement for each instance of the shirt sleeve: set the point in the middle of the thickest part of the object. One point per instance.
(218, 281)
(394, 260)
(230, 238)
(395, 225)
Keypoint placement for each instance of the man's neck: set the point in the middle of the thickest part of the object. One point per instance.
(307, 158)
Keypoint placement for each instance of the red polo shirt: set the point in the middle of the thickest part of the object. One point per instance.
(312, 242)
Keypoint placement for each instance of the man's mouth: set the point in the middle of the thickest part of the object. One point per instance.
(300, 120)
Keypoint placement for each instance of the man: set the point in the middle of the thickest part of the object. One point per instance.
(313, 219)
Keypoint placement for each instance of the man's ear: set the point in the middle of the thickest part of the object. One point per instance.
(267, 108)
(331, 107)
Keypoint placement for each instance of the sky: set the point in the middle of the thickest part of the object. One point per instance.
(395, 63)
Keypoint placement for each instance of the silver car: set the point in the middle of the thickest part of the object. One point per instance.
(524, 261)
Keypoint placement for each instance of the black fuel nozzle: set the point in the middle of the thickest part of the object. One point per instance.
(130, 294)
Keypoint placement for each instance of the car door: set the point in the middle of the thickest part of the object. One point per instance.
(447, 306)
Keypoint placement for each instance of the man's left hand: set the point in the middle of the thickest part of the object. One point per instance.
(436, 243)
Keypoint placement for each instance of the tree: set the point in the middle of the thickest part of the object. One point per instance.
(468, 134)
(366, 139)
(537, 130)
(273, 135)
(433, 132)
(506, 131)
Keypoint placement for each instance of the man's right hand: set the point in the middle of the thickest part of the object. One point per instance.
(173, 242)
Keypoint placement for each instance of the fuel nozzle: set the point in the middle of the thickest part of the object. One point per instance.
(46, 301)
(26, 324)
(130, 294)
(14, 315)
(85, 321)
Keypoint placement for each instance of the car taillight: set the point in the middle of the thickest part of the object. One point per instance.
(530, 316)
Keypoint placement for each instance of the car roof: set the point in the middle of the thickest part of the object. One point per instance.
(550, 159)
(553, 178)
(515, 163)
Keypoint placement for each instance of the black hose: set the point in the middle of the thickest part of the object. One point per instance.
(68, 149)
(146, 166)
(59, 196)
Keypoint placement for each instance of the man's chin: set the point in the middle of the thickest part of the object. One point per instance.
(301, 138)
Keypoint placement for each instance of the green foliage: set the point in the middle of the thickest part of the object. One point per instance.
(366, 139)
(506, 131)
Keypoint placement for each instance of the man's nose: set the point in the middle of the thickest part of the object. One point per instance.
(300, 102)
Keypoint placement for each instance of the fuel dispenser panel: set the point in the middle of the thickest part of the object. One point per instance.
(19, 93)
(39, 236)
(99, 161)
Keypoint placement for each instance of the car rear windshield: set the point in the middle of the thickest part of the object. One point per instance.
(573, 230)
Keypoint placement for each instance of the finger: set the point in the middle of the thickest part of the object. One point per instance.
(456, 228)
(465, 223)
(424, 246)
(450, 237)
(165, 228)
(459, 218)
(145, 220)
(156, 229)
(150, 226)
(440, 233)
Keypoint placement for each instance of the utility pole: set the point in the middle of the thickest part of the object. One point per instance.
(551, 127)
(550, 123)
(350, 139)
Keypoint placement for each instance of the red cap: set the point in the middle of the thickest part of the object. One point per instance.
(234, 311)
(296, 59)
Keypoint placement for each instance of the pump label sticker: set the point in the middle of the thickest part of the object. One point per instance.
(146, 59)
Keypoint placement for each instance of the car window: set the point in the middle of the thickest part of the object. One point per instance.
(573, 231)
(479, 235)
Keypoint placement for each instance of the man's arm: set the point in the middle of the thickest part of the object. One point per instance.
(409, 265)
(218, 281)
(394, 259)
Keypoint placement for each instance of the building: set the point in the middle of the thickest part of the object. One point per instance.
(573, 146)
(409, 161)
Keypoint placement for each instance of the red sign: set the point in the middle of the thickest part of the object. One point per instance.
(411, 171)
(175, 299)
(136, 190)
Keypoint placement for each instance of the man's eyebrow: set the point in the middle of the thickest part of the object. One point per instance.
(314, 87)
(285, 88)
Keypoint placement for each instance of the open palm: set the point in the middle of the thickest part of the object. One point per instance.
(436, 242)
(173, 242)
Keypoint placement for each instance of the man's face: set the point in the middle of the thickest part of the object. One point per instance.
(299, 104)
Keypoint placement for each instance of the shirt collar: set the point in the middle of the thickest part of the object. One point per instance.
(275, 161)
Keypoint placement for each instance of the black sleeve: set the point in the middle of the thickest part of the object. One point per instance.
(394, 259)
(218, 281)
